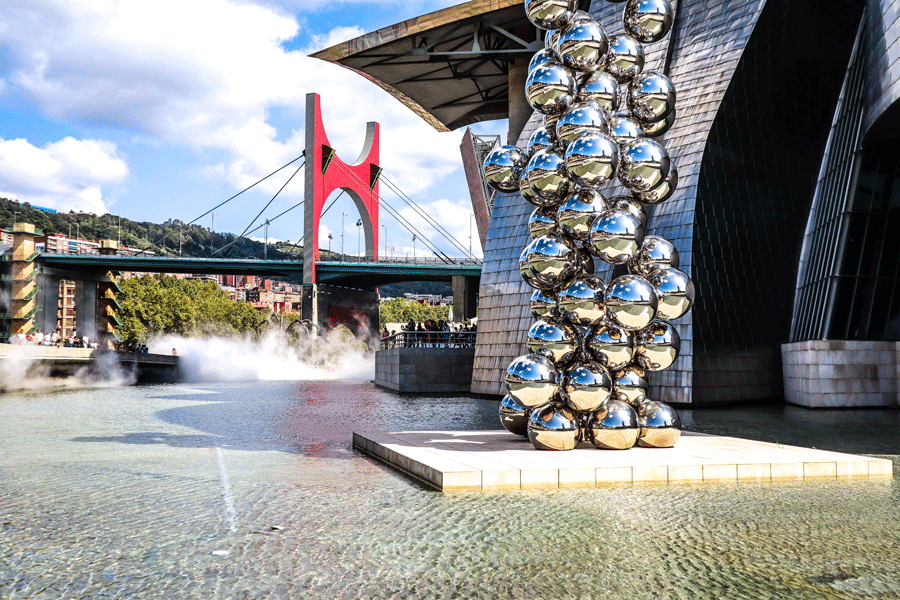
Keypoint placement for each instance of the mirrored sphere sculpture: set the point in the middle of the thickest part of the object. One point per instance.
(630, 205)
(582, 44)
(610, 345)
(583, 300)
(542, 56)
(663, 191)
(582, 117)
(657, 128)
(547, 176)
(660, 425)
(614, 426)
(543, 138)
(548, 263)
(631, 301)
(592, 159)
(531, 380)
(586, 386)
(629, 385)
(656, 346)
(601, 88)
(502, 168)
(624, 58)
(675, 290)
(651, 97)
(623, 130)
(553, 427)
(648, 20)
(578, 212)
(547, 14)
(541, 304)
(656, 251)
(514, 416)
(644, 164)
(616, 235)
(557, 341)
(550, 88)
(542, 221)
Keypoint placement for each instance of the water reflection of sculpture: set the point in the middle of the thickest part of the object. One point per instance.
(594, 342)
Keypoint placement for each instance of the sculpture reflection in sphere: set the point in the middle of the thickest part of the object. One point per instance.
(614, 426)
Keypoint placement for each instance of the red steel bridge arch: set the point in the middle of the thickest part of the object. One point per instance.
(325, 173)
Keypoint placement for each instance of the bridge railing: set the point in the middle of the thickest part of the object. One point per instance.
(429, 339)
(411, 260)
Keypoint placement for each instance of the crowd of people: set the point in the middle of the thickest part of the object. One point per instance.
(432, 333)
(54, 338)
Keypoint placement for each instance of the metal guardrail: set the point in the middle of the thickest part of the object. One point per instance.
(429, 339)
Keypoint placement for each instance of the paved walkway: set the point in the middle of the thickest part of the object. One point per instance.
(489, 460)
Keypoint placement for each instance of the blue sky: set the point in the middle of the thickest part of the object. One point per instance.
(158, 110)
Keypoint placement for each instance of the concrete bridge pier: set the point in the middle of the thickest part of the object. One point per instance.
(465, 294)
(49, 314)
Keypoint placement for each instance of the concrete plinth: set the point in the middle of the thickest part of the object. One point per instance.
(425, 370)
(498, 460)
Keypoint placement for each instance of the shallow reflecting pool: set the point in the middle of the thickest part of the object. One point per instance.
(253, 491)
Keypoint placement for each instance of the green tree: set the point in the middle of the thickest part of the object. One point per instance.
(401, 310)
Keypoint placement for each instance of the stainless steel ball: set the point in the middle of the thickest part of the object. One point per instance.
(548, 14)
(503, 167)
(624, 58)
(623, 130)
(629, 205)
(542, 56)
(592, 159)
(582, 44)
(614, 426)
(675, 291)
(616, 235)
(542, 303)
(658, 128)
(660, 425)
(631, 301)
(514, 416)
(555, 340)
(644, 164)
(547, 175)
(532, 380)
(578, 212)
(549, 263)
(629, 385)
(586, 386)
(553, 427)
(656, 251)
(651, 97)
(583, 300)
(532, 198)
(663, 191)
(648, 20)
(542, 221)
(599, 87)
(543, 138)
(551, 120)
(656, 346)
(582, 117)
(550, 88)
(610, 345)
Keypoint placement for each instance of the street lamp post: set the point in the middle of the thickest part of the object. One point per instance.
(358, 231)
(329, 244)
(414, 247)
(266, 242)
(342, 235)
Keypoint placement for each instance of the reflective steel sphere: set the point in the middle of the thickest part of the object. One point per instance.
(551, 120)
(587, 386)
(675, 290)
(614, 426)
(578, 212)
(531, 380)
(502, 168)
(648, 20)
(547, 176)
(629, 385)
(548, 263)
(543, 138)
(643, 165)
(663, 191)
(541, 222)
(660, 425)
(583, 117)
(557, 341)
(542, 304)
(624, 58)
(553, 427)
(655, 252)
(542, 56)
(651, 97)
(582, 44)
(592, 159)
(656, 346)
(583, 300)
(623, 130)
(610, 345)
(550, 88)
(616, 235)
(658, 128)
(631, 301)
(602, 88)
(548, 14)
(529, 195)
(513, 416)
(629, 205)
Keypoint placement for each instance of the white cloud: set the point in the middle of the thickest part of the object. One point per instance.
(68, 174)
(207, 74)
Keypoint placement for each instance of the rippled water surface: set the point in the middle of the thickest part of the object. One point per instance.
(253, 491)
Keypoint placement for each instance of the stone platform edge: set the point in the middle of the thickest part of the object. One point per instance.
(497, 460)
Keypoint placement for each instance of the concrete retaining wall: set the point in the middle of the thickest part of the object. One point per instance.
(425, 370)
(838, 373)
